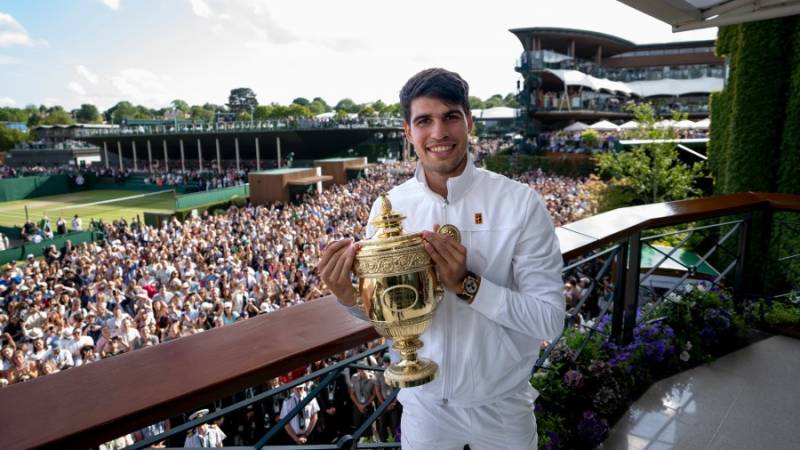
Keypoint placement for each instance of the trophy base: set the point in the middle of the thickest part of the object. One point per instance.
(410, 374)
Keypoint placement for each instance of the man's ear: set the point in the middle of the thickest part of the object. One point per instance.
(407, 130)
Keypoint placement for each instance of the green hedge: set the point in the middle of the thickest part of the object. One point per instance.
(755, 132)
(566, 165)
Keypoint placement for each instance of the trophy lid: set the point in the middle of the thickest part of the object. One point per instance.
(387, 223)
(390, 250)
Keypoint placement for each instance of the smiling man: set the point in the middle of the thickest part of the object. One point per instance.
(502, 281)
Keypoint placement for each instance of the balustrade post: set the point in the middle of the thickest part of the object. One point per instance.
(632, 286)
(741, 251)
(619, 293)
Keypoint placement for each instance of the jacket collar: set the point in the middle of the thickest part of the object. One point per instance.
(457, 187)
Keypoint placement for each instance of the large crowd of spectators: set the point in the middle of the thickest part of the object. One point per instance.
(144, 285)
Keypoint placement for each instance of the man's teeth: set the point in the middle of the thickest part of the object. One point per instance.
(440, 148)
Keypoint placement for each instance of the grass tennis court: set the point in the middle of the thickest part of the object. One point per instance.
(108, 205)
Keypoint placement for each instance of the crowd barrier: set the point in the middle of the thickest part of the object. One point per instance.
(205, 198)
(20, 188)
(19, 253)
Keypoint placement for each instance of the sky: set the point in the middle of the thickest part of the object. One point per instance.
(150, 52)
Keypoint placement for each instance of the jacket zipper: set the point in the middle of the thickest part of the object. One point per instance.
(445, 382)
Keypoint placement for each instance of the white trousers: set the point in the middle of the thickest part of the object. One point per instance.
(507, 424)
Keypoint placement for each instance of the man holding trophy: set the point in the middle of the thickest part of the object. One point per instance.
(478, 281)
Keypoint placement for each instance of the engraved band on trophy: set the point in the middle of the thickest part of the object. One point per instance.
(399, 292)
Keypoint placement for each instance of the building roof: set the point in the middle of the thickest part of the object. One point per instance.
(586, 41)
(686, 15)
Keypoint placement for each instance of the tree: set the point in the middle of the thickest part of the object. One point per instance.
(494, 101)
(318, 107)
(347, 105)
(181, 105)
(511, 101)
(367, 112)
(58, 117)
(10, 137)
(263, 112)
(242, 100)
(475, 102)
(298, 111)
(649, 173)
(301, 101)
(322, 102)
(87, 113)
(201, 114)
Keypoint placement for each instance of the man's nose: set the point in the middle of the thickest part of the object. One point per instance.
(439, 130)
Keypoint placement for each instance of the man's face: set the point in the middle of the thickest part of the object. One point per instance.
(439, 132)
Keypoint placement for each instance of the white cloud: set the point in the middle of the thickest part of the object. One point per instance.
(113, 4)
(7, 101)
(13, 33)
(87, 74)
(140, 86)
(76, 88)
(201, 8)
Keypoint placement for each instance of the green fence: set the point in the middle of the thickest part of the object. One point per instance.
(205, 198)
(34, 186)
(21, 252)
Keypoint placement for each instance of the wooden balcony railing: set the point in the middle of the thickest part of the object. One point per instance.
(89, 405)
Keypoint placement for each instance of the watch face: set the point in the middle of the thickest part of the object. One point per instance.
(470, 286)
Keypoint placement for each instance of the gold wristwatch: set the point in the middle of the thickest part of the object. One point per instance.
(469, 287)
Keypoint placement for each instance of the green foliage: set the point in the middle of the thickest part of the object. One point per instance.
(180, 105)
(347, 105)
(475, 102)
(590, 138)
(789, 157)
(8, 114)
(719, 104)
(57, 117)
(242, 99)
(88, 114)
(650, 172)
(10, 137)
(297, 111)
(302, 101)
(199, 113)
(494, 101)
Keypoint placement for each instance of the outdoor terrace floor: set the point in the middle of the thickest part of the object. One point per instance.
(748, 399)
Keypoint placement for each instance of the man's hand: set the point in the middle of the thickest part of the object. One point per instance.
(335, 269)
(449, 257)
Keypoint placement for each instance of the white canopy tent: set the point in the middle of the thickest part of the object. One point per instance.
(686, 15)
(326, 115)
(577, 126)
(685, 124)
(702, 124)
(629, 125)
(604, 125)
(666, 123)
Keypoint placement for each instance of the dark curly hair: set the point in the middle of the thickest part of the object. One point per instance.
(436, 83)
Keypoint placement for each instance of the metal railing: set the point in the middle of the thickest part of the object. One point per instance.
(603, 252)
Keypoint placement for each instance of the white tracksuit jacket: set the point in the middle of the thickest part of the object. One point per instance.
(486, 350)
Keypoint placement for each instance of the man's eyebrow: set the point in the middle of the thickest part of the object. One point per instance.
(446, 113)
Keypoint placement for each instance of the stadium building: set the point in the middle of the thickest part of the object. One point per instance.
(570, 74)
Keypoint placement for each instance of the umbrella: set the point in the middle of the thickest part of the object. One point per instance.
(629, 125)
(604, 125)
(577, 126)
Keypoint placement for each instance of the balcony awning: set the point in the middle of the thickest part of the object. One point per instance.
(686, 15)
(497, 113)
(671, 87)
(578, 78)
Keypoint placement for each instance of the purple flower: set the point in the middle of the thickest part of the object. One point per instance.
(573, 379)
(592, 429)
